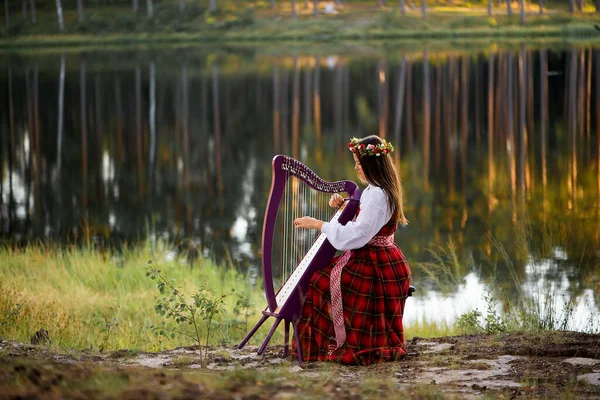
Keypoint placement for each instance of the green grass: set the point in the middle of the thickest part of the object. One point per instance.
(90, 299)
(86, 298)
(256, 22)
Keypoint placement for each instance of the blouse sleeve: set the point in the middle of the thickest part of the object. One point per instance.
(374, 214)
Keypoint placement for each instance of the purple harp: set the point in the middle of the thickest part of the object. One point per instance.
(287, 303)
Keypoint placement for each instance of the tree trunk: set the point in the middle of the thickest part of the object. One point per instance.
(276, 110)
(306, 96)
(424, 8)
(426, 120)
(490, 7)
(296, 110)
(464, 119)
(152, 120)
(273, 5)
(522, 114)
(490, 123)
(571, 6)
(150, 8)
(509, 7)
(212, 5)
(59, 14)
(598, 6)
(185, 127)
(217, 127)
(317, 100)
(402, 6)
(542, 7)
(61, 101)
(6, 16)
(33, 17)
(134, 5)
(24, 10)
(543, 118)
(522, 6)
(12, 153)
(138, 128)
(80, 11)
(383, 98)
(572, 127)
(315, 6)
(294, 13)
(83, 106)
(400, 101)
(181, 5)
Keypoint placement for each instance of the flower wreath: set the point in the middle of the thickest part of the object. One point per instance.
(361, 149)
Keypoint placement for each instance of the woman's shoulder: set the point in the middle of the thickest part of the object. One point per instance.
(374, 192)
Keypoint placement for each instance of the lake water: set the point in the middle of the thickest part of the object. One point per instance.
(499, 152)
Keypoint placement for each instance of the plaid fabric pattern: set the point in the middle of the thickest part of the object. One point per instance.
(374, 284)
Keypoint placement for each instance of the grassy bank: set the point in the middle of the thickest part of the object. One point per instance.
(256, 22)
(90, 299)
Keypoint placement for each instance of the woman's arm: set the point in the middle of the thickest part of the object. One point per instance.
(373, 215)
(308, 223)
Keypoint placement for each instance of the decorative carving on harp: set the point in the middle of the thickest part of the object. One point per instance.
(291, 255)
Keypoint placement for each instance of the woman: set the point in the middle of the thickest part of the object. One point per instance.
(353, 309)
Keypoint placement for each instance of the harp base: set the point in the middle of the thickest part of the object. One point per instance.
(278, 320)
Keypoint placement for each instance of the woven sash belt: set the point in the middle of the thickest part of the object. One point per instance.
(337, 309)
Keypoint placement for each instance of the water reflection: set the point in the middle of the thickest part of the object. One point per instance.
(499, 152)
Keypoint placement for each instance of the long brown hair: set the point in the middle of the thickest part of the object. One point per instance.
(380, 171)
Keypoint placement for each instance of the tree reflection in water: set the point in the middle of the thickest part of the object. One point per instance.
(499, 152)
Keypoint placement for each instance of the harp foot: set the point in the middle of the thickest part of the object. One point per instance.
(298, 344)
(253, 331)
(273, 328)
(286, 340)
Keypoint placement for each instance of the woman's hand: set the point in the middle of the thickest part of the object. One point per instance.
(308, 223)
(336, 200)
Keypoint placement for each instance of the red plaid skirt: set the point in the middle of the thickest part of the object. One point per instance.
(375, 284)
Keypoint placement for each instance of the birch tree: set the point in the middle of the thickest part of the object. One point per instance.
(80, 10)
(150, 8)
(522, 6)
(61, 101)
(59, 14)
(32, 11)
(6, 16)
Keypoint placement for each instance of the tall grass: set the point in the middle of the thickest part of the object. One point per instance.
(530, 294)
(539, 303)
(87, 299)
(90, 299)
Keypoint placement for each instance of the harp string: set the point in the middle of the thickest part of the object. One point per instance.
(299, 200)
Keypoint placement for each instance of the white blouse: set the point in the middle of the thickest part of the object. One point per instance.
(374, 214)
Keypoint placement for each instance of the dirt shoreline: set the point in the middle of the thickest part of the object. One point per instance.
(549, 364)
